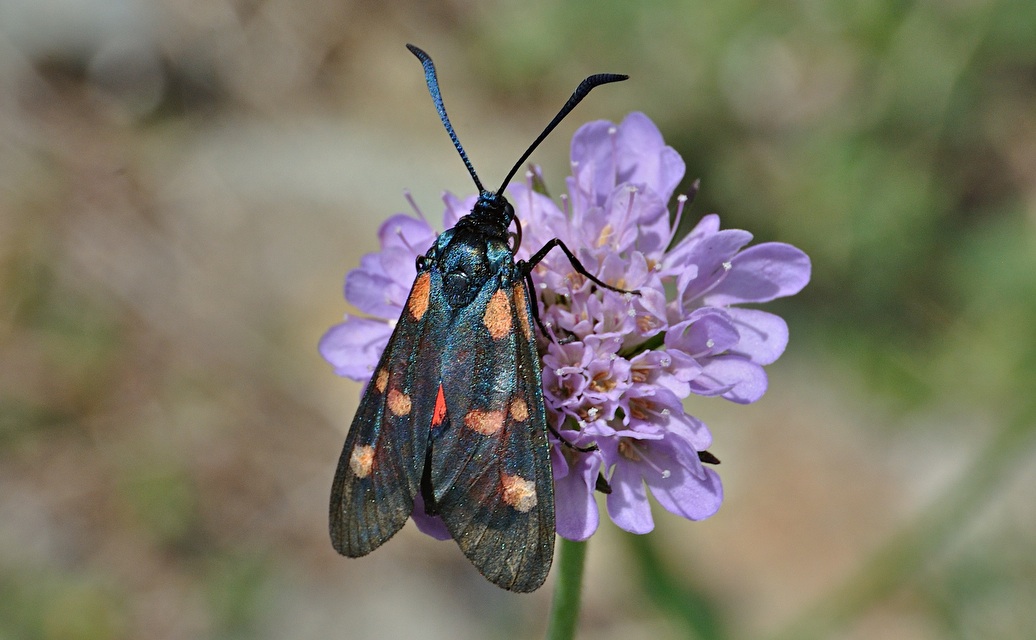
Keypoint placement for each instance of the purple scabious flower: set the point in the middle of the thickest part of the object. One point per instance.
(620, 376)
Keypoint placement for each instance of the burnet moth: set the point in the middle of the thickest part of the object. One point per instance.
(454, 412)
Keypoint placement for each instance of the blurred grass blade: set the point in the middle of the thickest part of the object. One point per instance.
(690, 607)
(907, 553)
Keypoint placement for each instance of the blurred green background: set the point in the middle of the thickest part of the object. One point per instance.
(184, 183)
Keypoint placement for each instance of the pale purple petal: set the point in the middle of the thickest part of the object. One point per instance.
(641, 431)
(676, 259)
(762, 273)
(655, 232)
(707, 331)
(685, 428)
(354, 347)
(402, 232)
(608, 380)
(763, 336)
(377, 295)
(734, 377)
(593, 162)
(540, 217)
(598, 429)
(426, 524)
(603, 346)
(576, 514)
(629, 272)
(710, 256)
(651, 408)
(372, 264)
(563, 375)
(687, 494)
(612, 313)
(401, 268)
(628, 505)
(650, 317)
(644, 157)
(686, 276)
(672, 370)
(632, 216)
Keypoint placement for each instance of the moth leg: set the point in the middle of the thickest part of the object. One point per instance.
(534, 305)
(527, 265)
(535, 308)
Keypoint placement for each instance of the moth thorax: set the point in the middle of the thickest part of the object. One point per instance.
(465, 268)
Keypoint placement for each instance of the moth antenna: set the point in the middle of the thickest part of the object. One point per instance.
(584, 88)
(433, 88)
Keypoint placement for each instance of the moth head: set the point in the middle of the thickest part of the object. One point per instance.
(493, 205)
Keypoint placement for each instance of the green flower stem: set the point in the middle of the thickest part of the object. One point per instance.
(568, 590)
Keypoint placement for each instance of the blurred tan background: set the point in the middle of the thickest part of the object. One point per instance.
(184, 183)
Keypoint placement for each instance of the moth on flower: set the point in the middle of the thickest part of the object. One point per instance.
(615, 368)
(452, 422)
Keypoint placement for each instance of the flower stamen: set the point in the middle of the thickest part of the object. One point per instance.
(602, 383)
(681, 200)
(413, 205)
(723, 270)
(632, 450)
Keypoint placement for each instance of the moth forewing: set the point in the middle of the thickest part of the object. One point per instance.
(379, 469)
(492, 475)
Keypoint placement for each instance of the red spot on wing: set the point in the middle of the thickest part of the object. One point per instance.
(439, 413)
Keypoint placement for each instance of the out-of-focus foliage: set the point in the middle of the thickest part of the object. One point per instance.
(183, 184)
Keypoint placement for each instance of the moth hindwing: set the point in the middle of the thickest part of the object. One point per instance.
(454, 412)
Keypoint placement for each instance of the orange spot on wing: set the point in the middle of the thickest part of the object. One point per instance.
(418, 302)
(498, 315)
(361, 460)
(381, 380)
(398, 402)
(521, 305)
(485, 422)
(518, 493)
(519, 410)
(439, 413)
